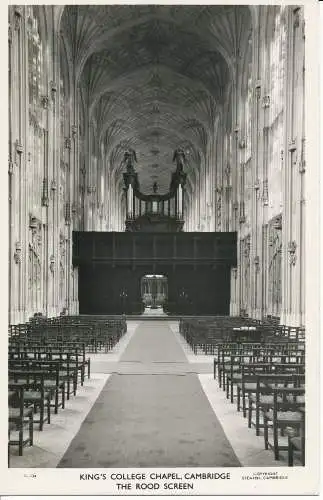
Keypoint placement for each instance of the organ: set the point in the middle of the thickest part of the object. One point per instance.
(154, 212)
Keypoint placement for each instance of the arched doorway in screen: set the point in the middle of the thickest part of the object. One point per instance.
(154, 292)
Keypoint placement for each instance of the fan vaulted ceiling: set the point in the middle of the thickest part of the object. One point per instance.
(153, 77)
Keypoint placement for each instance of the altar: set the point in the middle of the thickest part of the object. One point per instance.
(158, 311)
(154, 293)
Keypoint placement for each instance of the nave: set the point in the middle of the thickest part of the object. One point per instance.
(158, 163)
(151, 398)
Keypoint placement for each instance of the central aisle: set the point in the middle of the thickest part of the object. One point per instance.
(147, 420)
(152, 342)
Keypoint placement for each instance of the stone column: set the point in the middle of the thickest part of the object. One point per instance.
(78, 176)
(297, 313)
(18, 126)
(17, 250)
(234, 302)
(292, 258)
(51, 159)
(259, 254)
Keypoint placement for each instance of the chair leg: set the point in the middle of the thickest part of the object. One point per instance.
(56, 399)
(31, 429)
(238, 398)
(224, 381)
(249, 412)
(68, 387)
(244, 404)
(75, 384)
(220, 376)
(257, 421)
(265, 432)
(303, 451)
(21, 437)
(63, 396)
(231, 391)
(290, 453)
(48, 409)
(275, 438)
(41, 416)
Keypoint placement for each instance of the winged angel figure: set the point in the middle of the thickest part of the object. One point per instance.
(180, 158)
(130, 159)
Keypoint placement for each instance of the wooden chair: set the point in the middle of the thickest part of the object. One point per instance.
(19, 417)
(225, 358)
(35, 395)
(232, 373)
(249, 382)
(52, 380)
(282, 414)
(68, 371)
(296, 442)
(263, 398)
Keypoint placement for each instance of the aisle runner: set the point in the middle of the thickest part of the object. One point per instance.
(151, 420)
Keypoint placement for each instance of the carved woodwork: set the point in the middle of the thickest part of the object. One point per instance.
(199, 263)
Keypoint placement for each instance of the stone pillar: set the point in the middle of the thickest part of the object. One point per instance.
(293, 259)
(234, 302)
(256, 219)
(17, 244)
(18, 126)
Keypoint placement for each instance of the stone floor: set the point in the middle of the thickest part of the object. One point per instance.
(51, 444)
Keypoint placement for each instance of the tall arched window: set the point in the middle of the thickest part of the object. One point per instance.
(35, 62)
(277, 51)
(36, 151)
(37, 102)
(277, 54)
(277, 75)
(248, 108)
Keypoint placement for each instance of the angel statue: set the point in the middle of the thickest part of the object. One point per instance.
(129, 159)
(179, 157)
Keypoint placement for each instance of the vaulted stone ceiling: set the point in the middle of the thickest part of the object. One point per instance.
(153, 77)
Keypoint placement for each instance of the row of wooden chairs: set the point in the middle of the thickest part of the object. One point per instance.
(47, 360)
(205, 334)
(95, 334)
(267, 381)
(36, 350)
(39, 380)
(62, 323)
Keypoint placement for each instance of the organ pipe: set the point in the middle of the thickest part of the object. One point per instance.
(130, 200)
(180, 201)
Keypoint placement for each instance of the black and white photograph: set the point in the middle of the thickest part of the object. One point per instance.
(163, 257)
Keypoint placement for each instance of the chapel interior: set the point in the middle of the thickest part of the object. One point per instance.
(156, 236)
